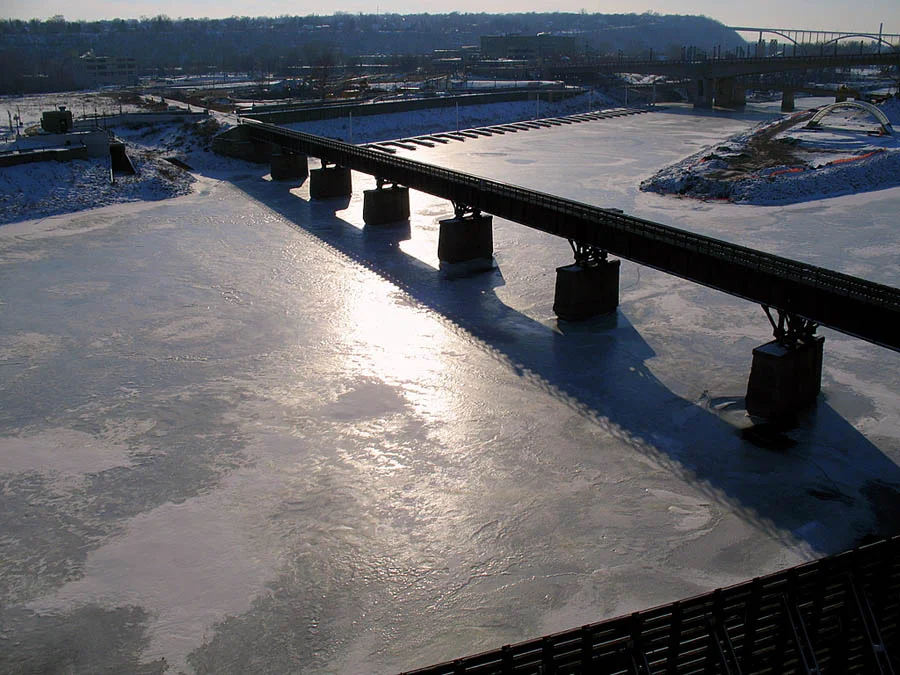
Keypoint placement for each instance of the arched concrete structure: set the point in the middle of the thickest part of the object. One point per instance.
(799, 37)
(861, 105)
(874, 38)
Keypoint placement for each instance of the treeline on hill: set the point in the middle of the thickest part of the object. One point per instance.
(43, 55)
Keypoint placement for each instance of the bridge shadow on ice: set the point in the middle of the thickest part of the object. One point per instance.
(832, 489)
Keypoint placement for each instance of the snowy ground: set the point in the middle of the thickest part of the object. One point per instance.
(783, 161)
(46, 189)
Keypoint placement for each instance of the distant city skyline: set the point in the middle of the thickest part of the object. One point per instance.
(827, 15)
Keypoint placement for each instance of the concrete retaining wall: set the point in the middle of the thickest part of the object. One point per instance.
(141, 118)
(58, 154)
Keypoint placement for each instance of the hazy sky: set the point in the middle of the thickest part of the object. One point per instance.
(812, 14)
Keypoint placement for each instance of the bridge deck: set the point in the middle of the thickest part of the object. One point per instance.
(724, 67)
(861, 308)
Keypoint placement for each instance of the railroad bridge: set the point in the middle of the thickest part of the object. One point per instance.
(716, 81)
(797, 297)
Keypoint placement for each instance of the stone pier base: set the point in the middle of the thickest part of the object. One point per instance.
(784, 381)
(730, 94)
(787, 100)
(287, 166)
(329, 182)
(703, 92)
(467, 240)
(583, 292)
(385, 205)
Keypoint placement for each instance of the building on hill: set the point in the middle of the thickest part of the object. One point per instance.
(534, 48)
(99, 71)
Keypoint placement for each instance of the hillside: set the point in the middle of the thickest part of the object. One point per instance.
(42, 55)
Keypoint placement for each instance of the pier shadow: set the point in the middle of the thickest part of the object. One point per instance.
(822, 484)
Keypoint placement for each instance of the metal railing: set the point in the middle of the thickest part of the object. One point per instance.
(835, 616)
(855, 306)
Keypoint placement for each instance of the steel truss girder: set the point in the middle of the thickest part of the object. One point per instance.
(854, 306)
(870, 626)
(725, 654)
(790, 329)
(803, 644)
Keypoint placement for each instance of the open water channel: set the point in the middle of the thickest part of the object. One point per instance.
(241, 433)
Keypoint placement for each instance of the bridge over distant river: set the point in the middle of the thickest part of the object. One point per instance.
(714, 79)
(796, 296)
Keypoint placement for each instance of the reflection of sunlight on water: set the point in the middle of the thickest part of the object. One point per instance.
(422, 250)
(399, 344)
(379, 461)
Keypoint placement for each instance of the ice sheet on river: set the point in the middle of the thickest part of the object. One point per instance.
(241, 433)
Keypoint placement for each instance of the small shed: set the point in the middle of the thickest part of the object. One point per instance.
(57, 121)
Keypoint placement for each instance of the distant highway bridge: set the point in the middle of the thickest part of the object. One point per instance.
(799, 295)
(715, 80)
(803, 38)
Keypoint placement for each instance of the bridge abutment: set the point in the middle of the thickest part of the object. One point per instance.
(785, 379)
(583, 291)
(467, 239)
(288, 166)
(329, 182)
(382, 206)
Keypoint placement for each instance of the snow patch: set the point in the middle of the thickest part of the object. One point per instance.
(784, 162)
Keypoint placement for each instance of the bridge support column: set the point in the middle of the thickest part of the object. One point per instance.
(787, 100)
(467, 239)
(329, 182)
(385, 205)
(287, 166)
(704, 91)
(730, 93)
(587, 288)
(786, 375)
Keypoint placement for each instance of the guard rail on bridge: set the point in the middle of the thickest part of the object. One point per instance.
(861, 308)
(837, 616)
(722, 67)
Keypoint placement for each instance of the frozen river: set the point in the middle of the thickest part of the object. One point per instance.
(239, 433)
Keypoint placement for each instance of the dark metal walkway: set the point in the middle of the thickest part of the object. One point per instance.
(861, 308)
(835, 616)
(720, 67)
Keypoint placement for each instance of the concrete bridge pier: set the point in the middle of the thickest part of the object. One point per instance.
(703, 90)
(786, 375)
(382, 206)
(329, 182)
(467, 238)
(288, 166)
(787, 100)
(588, 287)
(730, 93)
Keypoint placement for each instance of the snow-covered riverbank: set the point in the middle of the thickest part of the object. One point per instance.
(785, 162)
(49, 188)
